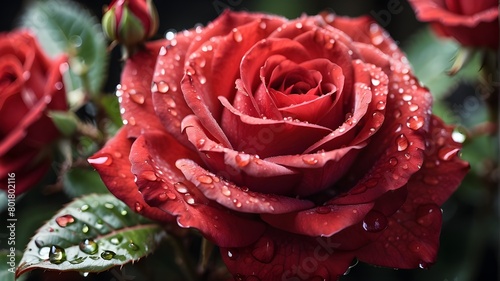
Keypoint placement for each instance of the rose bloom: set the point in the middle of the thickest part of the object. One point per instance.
(471, 23)
(296, 146)
(30, 85)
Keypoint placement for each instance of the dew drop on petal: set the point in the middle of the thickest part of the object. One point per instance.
(138, 207)
(375, 82)
(137, 98)
(402, 142)
(374, 221)
(264, 250)
(162, 87)
(149, 175)
(103, 159)
(415, 122)
(427, 214)
(233, 254)
(206, 179)
(180, 187)
(380, 105)
(393, 161)
(237, 36)
(242, 159)
(447, 153)
(310, 159)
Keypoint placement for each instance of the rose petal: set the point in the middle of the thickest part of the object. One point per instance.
(285, 256)
(266, 137)
(168, 99)
(241, 168)
(236, 198)
(324, 220)
(366, 30)
(134, 92)
(162, 184)
(113, 166)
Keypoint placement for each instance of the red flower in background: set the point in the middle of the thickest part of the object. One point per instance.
(296, 146)
(30, 85)
(472, 23)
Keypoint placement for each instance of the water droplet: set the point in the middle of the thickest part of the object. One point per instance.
(180, 187)
(104, 159)
(84, 208)
(237, 203)
(323, 210)
(162, 87)
(57, 255)
(137, 98)
(264, 250)
(407, 97)
(189, 199)
(109, 205)
(138, 207)
(107, 255)
(85, 228)
(65, 220)
(88, 246)
(237, 36)
(424, 265)
(415, 122)
(413, 107)
(132, 246)
(380, 105)
(263, 25)
(78, 260)
(225, 191)
(374, 221)
(206, 179)
(242, 160)
(233, 254)
(149, 175)
(447, 153)
(458, 136)
(375, 82)
(116, 240)
(310, 159)
(402, 142)
(123, 212)
(393, 161)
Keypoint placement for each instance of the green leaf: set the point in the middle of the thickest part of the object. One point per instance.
(64, 27)
(91, 234)
(8, 262)
(65, 121)
(81, 181)
(112, 108)
(431, 59)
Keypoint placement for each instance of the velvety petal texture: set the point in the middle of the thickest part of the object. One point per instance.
(30, 86)
(296, 146)
(471, 23)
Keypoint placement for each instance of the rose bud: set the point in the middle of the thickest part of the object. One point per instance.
(30, 87)
(471, 23)
(130, 22)
(296, 146)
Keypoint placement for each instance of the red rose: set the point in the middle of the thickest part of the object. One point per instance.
(472, 23)
(30, 85)
(295, 146)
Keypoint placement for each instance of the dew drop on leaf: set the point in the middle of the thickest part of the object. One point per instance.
(107, 255)
(57, 255)
(88, 246)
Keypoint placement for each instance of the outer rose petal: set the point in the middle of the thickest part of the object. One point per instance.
(472, 23)
(162, 184)
(134, 93)
(284, 256)
(114, 167)
(412, 236)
